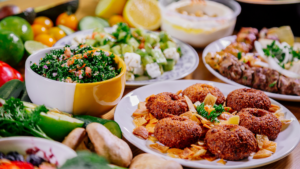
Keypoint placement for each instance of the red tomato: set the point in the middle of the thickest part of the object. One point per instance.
(67, 20)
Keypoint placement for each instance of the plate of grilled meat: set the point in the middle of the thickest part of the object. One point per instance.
(267, 60)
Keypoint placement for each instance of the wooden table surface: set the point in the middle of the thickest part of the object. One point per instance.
(87, 7)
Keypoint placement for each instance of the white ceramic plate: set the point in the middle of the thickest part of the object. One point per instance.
(221, 44)
(286, 141)
(186, 64)
(60, 152)
(270, 2)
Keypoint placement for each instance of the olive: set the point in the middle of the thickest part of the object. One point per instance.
(34, 160)
(14, 156)
(2, 155)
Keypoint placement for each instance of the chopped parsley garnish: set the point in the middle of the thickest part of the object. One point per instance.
(239, 55)
(212, 116)
(273, 84)
(80, 65)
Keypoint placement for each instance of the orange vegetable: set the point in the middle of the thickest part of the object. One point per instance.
(57, 33)
(45, 39)
(67, 20)
(45, 21)
(39, 29)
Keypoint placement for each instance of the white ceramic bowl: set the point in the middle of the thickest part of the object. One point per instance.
(199, 31)
(60, 152)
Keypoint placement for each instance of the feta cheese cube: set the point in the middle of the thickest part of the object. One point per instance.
(153, 70)
(132, 60)
(171, 53)
(138, 70)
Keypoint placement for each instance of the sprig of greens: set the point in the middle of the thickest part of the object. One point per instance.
(122, 34)
(212, 116)
(15, 120)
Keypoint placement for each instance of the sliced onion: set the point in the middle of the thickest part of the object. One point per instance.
(259, 50)
(285, 48)
(275, 66)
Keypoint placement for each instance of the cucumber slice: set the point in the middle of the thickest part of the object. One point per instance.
(91, 22)
(67, 30)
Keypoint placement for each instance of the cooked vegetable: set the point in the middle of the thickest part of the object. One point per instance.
(105, 144)
(111, 125)
(86, 160)
(16, 120)
(150, 161)
(80, 65)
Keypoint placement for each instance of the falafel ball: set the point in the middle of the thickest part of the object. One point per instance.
(247, 98)
(177, 132)
(230, 142)
(166, 104)
(260, 121)
(198, 92)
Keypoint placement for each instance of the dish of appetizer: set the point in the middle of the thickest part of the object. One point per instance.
(149, 56)
(199, 22)
(267, 60)
(75, 79)
(200, 124)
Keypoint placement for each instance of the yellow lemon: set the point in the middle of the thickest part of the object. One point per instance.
(142, 14)
(107, 8)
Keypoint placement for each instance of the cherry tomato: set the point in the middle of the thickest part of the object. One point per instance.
(115, 19)
(45, 39)
(67, 20)
(38, 29)
(42, 20)
(56, 33)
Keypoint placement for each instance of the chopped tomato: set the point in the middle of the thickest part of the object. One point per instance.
(88, 71)
(142, 45)
(68, 52)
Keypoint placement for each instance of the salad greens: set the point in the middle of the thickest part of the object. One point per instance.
(80, 65)
(86, 160)
(212, 116)
(146, 54)
(16, 120)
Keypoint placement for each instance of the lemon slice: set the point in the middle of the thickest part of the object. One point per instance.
(142, 14)
(108, 8)
(33, 46)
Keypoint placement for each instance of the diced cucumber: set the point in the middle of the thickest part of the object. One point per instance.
(91, 22)
(148, 48)
(171, 44)
(141, 53)
(116, 50)
(141, 78)
(164, 37)
(105, 47)
(170, 65)
(126, 48)
(147, 60)
(134, 43)
(90, 42)
(158, 56)
(152, 38)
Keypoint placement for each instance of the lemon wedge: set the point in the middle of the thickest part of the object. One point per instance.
(142, 14)
(107, 8)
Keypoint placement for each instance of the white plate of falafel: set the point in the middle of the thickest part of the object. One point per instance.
(284, 88)
(239, 145)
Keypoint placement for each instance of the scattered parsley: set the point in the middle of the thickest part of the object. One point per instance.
(85, 65)
(239, 55)
(212, 116)
(273, 84)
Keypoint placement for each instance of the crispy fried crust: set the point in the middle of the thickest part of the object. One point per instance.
(260, 122)
(166, 104)
(177, 132)
(198, 92)
(230, 142)
(248, 98)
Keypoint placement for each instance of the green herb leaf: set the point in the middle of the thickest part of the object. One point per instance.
(239, 55)
(212, 116)
(273, 84)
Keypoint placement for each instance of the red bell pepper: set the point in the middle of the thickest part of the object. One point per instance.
(8, 73)
(16, 165)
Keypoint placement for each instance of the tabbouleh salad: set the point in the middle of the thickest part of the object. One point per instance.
(83, 64)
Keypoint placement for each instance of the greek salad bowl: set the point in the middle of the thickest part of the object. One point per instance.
(92, 99)
(53, 151)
